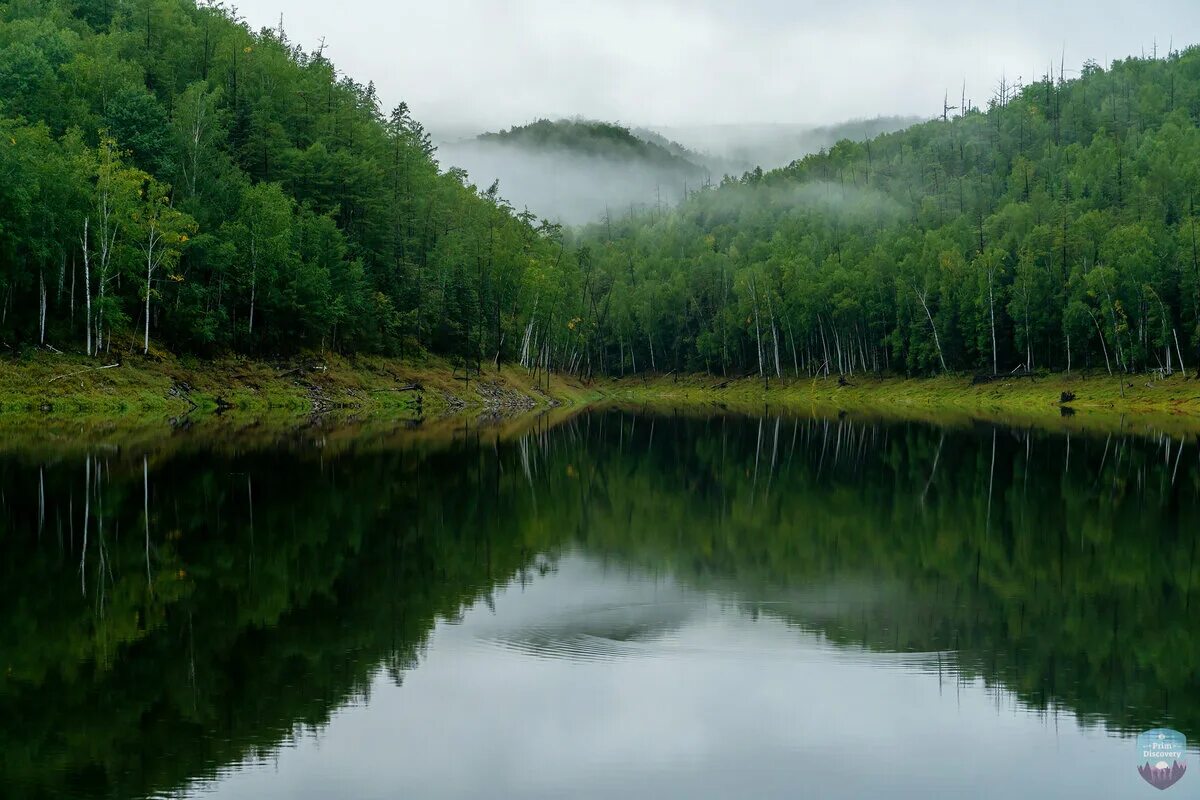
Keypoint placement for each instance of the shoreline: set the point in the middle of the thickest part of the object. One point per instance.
(46, 392)
(164, 388)
(1166, 406)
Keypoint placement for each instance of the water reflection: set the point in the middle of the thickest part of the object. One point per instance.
(665, 602)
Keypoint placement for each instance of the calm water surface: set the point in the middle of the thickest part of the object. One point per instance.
(622, 605)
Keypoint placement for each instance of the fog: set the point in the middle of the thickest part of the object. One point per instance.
(577, 188)
(755, 83)
(566, 186)
(472, 65)
(744, 146)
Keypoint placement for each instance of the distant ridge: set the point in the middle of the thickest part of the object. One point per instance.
(597, 138)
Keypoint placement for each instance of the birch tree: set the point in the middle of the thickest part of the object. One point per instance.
(163, 233)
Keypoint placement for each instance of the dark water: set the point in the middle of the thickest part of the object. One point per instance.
(630, 606)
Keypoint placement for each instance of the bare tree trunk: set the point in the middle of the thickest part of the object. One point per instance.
(42, 313)
(795, 358)
(149, 275)
(774, 336)
(757, 331)
(837, 344)
(87, 286)
(992, 314)
(921, 296)
(1178, 352)
(824, 344)
(254, 283)
(1103, 346)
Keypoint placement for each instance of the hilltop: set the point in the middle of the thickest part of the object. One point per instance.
(576, 171)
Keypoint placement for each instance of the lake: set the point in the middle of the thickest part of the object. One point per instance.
(619, 604)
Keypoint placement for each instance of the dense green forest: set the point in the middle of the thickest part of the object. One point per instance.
(1055, 230)
(172, 178)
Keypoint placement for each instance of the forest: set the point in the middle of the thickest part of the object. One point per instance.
(174, 181)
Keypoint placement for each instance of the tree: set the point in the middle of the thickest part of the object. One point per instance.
(163, 234)
(989, 266)
(114, 199)
(264, 229)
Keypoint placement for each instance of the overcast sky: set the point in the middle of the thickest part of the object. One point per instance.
(477, 64)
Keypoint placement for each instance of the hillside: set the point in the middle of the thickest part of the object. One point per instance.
(1055, 229)
(174, 181)
(599, 139)
(576, 171)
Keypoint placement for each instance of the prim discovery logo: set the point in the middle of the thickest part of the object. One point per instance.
(1162, 757)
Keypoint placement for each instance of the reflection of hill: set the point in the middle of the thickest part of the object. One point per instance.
(1066, 582)
(590, 612)
(138, 665)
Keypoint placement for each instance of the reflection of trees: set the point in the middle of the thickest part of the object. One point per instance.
(250, 624)
(1062, 571)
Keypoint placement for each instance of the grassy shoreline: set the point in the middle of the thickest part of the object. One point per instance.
(52, 390)
(1171, 405)
(49, 392)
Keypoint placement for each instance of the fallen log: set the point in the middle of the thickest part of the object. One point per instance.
(80, 372)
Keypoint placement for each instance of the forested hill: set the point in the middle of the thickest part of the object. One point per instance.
(602, 139)
(1055, 229)
(170, 176)
(573, 170)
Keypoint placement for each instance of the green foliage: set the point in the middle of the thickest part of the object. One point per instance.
(985, 241)
(602, 139)
(1056, 229)
(310, 219)
(139, 125)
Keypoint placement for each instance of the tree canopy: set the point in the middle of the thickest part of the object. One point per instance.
(1054, 227)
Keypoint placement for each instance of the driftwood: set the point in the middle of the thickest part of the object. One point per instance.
(80, 372)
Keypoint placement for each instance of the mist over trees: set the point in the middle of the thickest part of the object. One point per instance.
(736, 148)
(573, 171)
(577, 171)
(172, 179)
(1054, 229)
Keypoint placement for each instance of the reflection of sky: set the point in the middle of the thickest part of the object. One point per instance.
(597, 682)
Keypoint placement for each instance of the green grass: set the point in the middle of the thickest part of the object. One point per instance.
(49, 394)
(45, 395)
(1100, 401)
